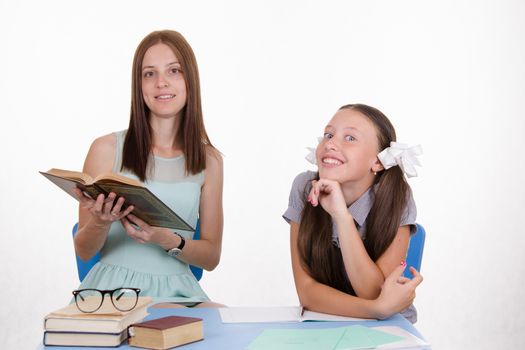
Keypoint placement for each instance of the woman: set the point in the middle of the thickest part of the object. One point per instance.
(166, 147)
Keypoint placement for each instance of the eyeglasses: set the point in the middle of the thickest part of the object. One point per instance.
(90, 300)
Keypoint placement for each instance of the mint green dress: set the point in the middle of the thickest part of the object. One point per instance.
(126, 263)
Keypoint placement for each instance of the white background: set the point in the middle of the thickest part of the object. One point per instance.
(449, 74)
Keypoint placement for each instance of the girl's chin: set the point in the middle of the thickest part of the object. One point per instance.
(329, 175)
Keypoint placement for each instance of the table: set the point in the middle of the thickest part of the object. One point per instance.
(232, 336)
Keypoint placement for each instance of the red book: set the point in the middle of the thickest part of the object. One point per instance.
(167, 332)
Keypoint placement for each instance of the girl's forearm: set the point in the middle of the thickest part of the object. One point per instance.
(364, 275)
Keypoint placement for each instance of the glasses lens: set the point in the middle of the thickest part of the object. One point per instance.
(88, 300)
(124, 299)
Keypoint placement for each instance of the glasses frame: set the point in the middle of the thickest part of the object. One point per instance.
(77, 292)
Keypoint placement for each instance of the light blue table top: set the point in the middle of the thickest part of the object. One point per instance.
(232, 336)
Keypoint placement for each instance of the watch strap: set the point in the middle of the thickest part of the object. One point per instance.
(182, 241)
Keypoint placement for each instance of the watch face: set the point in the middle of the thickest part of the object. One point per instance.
(174, 252)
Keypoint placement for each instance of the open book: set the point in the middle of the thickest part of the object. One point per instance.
(277, 314)
(147, 206)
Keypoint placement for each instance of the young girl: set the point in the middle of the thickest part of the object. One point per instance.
(166, 147)
(350, 222)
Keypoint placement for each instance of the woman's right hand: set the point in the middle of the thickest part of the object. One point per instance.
(398, 292)
(104, 210)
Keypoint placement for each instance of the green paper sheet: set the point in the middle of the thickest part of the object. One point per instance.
(297, 339)
(361, 337)
(341, 338)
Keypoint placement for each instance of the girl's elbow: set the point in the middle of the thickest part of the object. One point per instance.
(305, 302)
(369, 293)
(305, 298)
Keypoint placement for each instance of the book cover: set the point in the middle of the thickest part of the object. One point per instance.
(166, 332)
(168, 322)
(148, 207)
(105, 320)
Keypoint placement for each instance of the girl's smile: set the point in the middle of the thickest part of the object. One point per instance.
(348, 150)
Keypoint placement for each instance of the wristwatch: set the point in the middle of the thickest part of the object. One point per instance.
(174, 252)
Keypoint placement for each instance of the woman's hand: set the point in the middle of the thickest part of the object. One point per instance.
(397, 292)
(144, 233)
(329, 194)
(104, 209)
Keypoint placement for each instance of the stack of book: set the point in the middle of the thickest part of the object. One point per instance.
(107, 326)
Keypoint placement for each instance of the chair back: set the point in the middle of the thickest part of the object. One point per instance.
(415, 250)
(197, 271)
(84, 267)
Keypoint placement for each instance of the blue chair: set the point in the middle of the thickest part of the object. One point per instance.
(84, 267)
(415, 250)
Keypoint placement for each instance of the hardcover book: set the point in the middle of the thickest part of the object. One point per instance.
(167, 332)
(52, 338)
(148, 207)
(105, 320)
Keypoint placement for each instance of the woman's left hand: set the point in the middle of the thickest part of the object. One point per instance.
(329, 194)
(144, 233)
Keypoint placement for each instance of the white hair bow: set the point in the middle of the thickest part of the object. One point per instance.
(310, 157)
(402, 155)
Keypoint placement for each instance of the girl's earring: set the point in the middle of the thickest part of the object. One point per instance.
(375, 173)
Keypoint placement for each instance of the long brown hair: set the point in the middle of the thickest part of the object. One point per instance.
(318, 254)
(191, 133)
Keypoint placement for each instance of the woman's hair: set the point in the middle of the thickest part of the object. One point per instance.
(318, 254)
(191, 133)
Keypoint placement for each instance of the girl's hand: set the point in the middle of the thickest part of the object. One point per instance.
(397, 292)
(144, 233)
(104, 209)
(330, 195)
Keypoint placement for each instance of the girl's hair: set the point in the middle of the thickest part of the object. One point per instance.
(318, 254)
(191, 133)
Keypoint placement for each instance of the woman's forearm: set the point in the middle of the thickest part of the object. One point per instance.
(202, 253)
(90, 238)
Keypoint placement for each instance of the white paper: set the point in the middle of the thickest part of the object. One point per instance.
(276, 314)
(260, 314)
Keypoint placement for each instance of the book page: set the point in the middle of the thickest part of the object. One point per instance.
(112, 177)
(260, 314)
(319, 316)
(277, 314)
